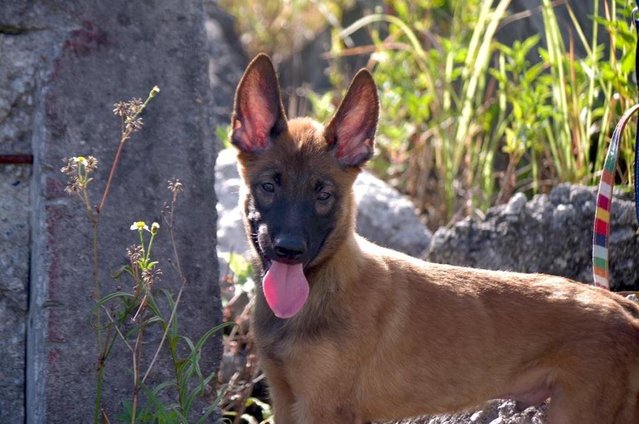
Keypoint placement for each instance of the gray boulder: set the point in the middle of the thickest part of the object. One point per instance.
(230, 229)
(494, 412)
(384, 216)
(550, 234)
(387, 218)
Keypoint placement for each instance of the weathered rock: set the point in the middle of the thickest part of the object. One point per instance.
(14, 277)
(64, 65)
(230, 229)
(383, 216)
(226, 60)
(24, 43)
(17, 85)
(387, 218)
(494, 412)
(550, 234)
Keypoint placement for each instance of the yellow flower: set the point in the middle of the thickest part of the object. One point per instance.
(139, 225)
(81, 160)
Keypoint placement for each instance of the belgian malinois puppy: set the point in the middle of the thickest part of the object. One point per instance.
(349, 332)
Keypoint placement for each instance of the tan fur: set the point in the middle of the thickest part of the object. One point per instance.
(417, 338)
(386, 336)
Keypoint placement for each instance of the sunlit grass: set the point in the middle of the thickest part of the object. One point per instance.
(467, 121)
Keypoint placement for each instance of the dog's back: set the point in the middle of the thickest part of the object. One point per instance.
(471, 335)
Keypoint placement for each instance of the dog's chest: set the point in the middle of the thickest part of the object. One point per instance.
(280, 339)
(277, 342)
(291, 353)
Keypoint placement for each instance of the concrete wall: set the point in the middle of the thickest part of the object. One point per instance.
(62, 66)
(14, 279)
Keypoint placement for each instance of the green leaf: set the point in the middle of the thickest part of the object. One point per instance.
(115, 295)
(242, 268)
(222, 133)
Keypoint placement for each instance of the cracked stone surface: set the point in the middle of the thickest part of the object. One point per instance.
(549, 233)
(14, 266)
(64, 65)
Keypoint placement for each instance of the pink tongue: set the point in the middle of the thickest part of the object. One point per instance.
(285, 288)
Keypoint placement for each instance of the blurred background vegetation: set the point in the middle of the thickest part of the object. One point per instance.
(471, 113)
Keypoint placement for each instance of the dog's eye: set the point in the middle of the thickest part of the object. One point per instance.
(268, 187)
(324, 195)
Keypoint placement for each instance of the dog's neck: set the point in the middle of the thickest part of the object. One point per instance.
(335, 273)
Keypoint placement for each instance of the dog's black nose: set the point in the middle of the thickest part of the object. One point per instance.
(289, 248)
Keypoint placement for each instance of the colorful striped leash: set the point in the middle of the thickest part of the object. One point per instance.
(601, 230)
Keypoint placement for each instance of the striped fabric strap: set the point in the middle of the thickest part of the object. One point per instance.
(601, 230)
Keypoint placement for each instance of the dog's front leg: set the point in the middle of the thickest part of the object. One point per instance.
(282, 402)
(281, 396)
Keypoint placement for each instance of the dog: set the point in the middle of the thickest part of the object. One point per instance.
(350, 332)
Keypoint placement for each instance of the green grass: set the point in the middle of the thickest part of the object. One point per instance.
(467, 121)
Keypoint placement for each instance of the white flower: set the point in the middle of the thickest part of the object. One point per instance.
(154, 91)
(139, 225)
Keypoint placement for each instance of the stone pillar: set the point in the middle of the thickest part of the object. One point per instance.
(14, 277)
(69, 62)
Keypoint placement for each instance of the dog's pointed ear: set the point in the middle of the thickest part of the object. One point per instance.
(258, 113)
(351, 131)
